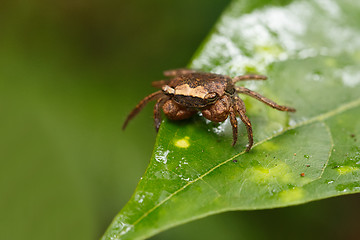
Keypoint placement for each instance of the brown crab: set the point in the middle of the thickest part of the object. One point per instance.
(214, 95)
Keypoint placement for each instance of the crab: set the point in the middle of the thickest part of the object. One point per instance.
(215, 96)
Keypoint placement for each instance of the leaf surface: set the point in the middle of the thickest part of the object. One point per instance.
(311, 52)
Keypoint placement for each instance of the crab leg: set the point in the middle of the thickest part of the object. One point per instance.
(179, 71)
(159, 84)
(249, 77)
(234, 125)
(240, 109)
(264, 99)
(157, 111)
(141, 105)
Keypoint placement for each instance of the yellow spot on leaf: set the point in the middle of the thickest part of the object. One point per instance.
(292, 195)
(346, 169)
(279, 173)
(182, 143)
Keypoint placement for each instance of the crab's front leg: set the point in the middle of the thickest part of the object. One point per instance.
(241, 111)
(220, 111)
(157, 111)
(141, 105)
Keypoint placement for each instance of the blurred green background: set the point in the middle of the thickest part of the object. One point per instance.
(70, 72)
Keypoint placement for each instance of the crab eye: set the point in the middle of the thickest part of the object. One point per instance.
(230, 91)
(210, 97)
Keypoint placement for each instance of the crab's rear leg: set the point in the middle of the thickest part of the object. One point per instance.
(160, 84)
(171, 73)
(141, 105)
(241, 110)
(264, 99)
(249, 77)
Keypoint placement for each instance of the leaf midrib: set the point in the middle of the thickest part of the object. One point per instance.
(321, 117)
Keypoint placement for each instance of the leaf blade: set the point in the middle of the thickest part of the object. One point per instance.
(193, 160)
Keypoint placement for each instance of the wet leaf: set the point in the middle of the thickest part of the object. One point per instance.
(311, 52)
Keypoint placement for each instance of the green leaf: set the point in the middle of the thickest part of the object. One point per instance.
(311, 52)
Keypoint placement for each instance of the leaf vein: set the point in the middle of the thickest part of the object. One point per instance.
(330, 151)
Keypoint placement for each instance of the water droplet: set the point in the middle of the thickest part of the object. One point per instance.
(161, 156)
(141, 196)
(165, 174)
(122, 228)
(329, 181)
(220, 128)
